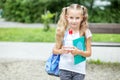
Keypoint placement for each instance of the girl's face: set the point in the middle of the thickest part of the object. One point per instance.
(74, 18)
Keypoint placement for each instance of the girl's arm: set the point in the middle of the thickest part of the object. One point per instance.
(57, 50)
(86, 53)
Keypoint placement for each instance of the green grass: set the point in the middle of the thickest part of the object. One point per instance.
(26, 35)
(38, 35)
(106, 38)
(99, 62)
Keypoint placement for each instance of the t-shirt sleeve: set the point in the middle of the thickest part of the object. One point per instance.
(88, 33)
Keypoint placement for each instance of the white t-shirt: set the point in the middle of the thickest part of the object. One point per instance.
(67, 60)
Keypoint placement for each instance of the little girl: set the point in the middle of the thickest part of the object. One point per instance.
(73, 17)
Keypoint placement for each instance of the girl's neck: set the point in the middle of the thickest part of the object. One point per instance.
(75, 30)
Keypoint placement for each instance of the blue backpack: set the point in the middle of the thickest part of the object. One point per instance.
(52, 65)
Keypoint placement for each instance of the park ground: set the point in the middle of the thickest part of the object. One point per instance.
(17, 69)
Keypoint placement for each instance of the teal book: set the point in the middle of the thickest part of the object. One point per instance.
(80, 44)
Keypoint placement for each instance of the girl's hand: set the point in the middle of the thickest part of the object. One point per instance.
(75, 51)
(64, 51)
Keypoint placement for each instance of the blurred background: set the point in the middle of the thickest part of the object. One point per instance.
(27, 36)
(30, 11)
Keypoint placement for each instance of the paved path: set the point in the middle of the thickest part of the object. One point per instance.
(25, 50)
(41, 51)
(7, 24)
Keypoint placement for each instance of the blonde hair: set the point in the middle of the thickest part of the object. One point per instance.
(62, 23)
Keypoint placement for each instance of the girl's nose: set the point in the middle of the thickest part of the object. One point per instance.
(74, 20)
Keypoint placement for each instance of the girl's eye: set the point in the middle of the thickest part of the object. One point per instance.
(77, 18)
(71, 17)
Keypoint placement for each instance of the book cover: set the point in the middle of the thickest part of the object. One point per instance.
(80, 44)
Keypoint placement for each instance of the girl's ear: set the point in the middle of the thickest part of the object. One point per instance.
(66, 16)
(82, 17)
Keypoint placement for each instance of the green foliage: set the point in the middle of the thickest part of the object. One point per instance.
(2, 2)
(104, 16)
(110, 13)
(30, 11)
(47, 18)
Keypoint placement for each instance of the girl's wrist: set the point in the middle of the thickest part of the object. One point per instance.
(60, 51)
(79, 52)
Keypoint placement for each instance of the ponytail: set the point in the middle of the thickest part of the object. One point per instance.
(61, 27)
(84, 22)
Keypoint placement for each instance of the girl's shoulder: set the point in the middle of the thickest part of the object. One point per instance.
(88, 33)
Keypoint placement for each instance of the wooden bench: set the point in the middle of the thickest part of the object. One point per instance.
(105, 28)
